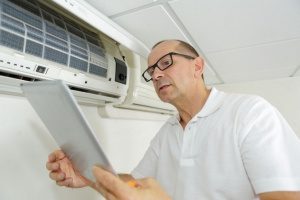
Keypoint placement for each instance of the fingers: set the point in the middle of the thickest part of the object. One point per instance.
(68, 182)
(104, 192)
(52, 166)
(56, 155)
(152, 189)
(113, 188)
(112, 185)
(109, 196)
(57, 176)
(148, 182)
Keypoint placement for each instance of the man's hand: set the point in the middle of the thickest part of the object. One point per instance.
(113, 188)
(62, 171)
(280, 196)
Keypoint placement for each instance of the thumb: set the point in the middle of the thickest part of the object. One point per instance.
(111, 183)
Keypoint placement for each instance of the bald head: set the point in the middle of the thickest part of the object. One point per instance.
(166, 46)
(180, 46)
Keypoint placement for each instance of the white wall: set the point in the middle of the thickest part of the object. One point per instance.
(284, 94)
(25, 145)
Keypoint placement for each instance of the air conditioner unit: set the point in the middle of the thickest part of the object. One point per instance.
(72, 41)
(38, 41)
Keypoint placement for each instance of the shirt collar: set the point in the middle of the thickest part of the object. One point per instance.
(212, 104)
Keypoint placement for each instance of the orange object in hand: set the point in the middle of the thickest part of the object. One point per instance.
(133, 183)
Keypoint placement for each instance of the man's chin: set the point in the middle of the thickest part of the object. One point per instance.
(165, 99)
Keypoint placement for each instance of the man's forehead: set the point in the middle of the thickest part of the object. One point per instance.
(161, 49)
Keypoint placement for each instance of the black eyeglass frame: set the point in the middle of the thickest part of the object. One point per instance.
(155, 65)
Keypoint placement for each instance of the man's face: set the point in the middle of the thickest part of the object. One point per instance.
(174, 82)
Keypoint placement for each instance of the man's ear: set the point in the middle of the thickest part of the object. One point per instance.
(199, 67)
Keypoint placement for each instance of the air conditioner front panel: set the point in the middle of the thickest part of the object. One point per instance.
(40, 42)
(144, 95)
(27, 66)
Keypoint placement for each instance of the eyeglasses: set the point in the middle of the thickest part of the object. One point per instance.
(163, 63)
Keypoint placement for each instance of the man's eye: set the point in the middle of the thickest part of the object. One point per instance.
(150, 70)
(165, 63)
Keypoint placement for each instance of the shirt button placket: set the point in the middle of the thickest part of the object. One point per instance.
(185, 159)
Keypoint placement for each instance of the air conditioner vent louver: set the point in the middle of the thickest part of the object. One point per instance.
(92, 92)
(74, 88)
(32, 28)
(20, 77)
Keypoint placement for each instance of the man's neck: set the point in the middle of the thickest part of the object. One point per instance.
(190, 106)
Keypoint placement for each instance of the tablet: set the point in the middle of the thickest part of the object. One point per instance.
(59, 111)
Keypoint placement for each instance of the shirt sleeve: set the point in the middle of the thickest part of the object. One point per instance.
(270, 149)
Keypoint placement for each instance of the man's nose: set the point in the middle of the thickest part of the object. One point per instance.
(157, 74)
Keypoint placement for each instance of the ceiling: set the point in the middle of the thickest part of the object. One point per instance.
(240, 40)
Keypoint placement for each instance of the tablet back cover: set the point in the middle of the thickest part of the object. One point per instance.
(59, 111)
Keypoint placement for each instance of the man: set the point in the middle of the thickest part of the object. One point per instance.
(220, 146)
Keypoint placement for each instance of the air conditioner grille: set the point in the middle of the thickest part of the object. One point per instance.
(11, 40)
(34, 33)
(56, 56)
(34, 48)
(97, 71)
(22, 13)
(33, 28)
(78, 64)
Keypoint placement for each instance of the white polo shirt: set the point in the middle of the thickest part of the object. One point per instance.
(236, 147)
